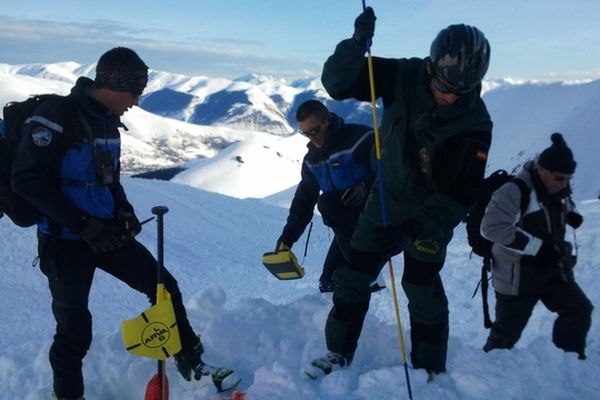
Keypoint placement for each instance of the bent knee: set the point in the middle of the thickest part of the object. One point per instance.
(352, 286)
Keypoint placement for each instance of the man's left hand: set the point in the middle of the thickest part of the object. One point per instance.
(355, 196)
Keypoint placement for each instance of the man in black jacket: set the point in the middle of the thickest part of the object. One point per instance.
(336, 175)
(68, 167)
(435, 136)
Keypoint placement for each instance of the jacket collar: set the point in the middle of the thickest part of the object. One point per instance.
(442, 122)
(89, 105)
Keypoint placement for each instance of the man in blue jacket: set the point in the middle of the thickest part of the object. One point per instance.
(336, 176)
(68, 167)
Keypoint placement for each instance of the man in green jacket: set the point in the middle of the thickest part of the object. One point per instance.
(435, 137)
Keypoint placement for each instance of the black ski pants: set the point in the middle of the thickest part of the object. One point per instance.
(428, 307)
(428, 311)
(334, 259)
(69, 266)
(571, 326)
(342, 220)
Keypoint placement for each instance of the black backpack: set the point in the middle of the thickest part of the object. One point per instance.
(480, 245)
(15, 114)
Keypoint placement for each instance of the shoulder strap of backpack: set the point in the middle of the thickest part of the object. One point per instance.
(485, 268)
(525, 193)
(75, 126)
(87, 129)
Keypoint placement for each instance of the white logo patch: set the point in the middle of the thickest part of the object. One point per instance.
(41, 137)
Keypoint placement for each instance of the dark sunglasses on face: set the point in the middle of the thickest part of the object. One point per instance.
(446, 88)
(312, 132)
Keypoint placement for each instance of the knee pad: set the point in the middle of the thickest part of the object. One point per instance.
(352, 286)
(426, 304)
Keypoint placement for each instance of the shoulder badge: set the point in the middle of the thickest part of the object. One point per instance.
(41, 136)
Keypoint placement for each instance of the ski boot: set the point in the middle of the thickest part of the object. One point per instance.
(326, 364)
(191, 362)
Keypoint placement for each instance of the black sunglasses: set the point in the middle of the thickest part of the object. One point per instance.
(446, 88)
(312, 132)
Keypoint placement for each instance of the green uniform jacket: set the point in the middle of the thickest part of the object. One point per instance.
(433, 157)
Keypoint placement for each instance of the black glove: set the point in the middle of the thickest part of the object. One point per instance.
(574, 219)
(364, 27)
(566, 250)
(558, 258)
(100, 235)
(395, 238)
(128, 224)
(280, 246)
(355, 196)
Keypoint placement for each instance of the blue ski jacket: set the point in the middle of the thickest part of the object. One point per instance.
(68, 162)
(343, 162)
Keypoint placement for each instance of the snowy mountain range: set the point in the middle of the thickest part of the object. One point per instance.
(183, 118)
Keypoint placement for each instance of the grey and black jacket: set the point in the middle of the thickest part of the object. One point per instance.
(518, 267)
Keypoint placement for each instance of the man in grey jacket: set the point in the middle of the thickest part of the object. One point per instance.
(531, 259)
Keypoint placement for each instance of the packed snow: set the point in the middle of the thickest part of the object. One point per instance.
(268, 330)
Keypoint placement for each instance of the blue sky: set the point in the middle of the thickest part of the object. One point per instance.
(530, 39)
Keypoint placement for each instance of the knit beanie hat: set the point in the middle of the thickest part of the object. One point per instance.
(122, 70)
(558, 157)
